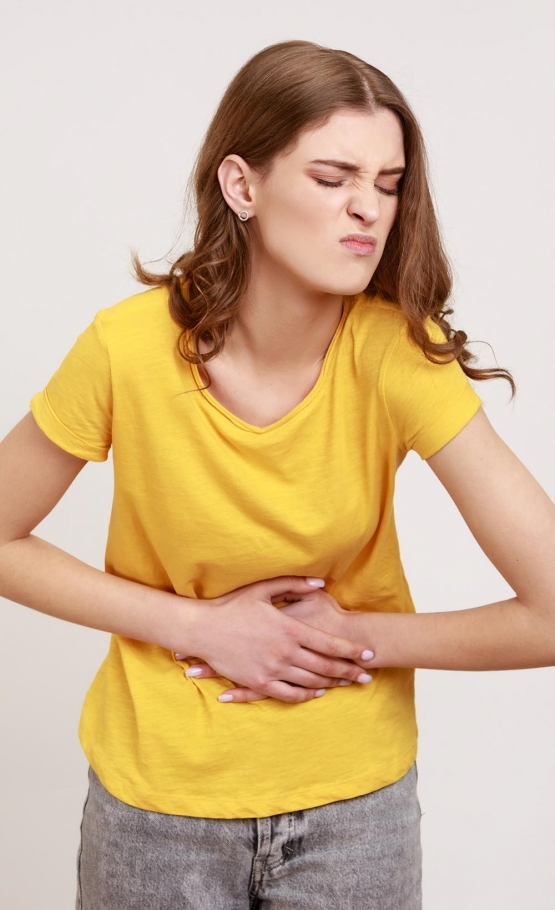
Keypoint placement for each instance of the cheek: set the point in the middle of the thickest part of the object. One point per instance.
(389, 211)
(388, 220)
(292, 227)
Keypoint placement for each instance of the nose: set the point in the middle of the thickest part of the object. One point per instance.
(366, 205)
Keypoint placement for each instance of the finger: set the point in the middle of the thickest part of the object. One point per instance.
(199, 671)
(286, 585)
(300, 676)
(321, 668)
(241, 695)
(284, 691)
(276, 689)
(324, 643)
(292, 694)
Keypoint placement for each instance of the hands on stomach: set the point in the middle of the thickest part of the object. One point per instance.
(292, 653)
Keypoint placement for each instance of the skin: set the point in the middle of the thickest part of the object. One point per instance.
(300, 270)
(276, 346)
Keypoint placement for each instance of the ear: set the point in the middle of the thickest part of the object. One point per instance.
(235, 178)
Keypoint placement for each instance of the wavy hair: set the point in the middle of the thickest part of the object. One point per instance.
(278, 93)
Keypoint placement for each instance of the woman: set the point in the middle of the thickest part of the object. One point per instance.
(258, 400)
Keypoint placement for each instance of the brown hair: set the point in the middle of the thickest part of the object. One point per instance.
(281, 91)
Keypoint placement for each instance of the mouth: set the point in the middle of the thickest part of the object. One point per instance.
(357, 245)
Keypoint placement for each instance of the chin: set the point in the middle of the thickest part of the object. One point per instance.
(351, 288)
(341, 285)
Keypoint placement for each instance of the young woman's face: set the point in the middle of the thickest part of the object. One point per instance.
(308, 206)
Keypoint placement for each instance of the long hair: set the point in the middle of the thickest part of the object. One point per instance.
(281, 91)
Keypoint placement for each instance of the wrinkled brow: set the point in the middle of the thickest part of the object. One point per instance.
(354, 168)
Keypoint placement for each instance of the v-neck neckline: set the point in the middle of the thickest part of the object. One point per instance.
(315, 390)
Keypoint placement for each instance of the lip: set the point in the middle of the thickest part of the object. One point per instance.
(359, 243)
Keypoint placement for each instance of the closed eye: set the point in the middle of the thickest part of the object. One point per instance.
(380, 189)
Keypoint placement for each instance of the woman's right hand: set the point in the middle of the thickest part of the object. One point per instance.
(245, 639)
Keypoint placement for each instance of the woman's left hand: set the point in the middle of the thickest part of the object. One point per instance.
(317, 609)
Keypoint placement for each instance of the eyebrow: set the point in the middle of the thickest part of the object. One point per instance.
(354, 168)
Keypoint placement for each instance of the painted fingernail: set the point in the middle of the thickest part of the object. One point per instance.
(320, 692)
(316, 582)
(225, 697)
(345, 682)
(364, 678)
(193, 671)
(367, 655)
(179, 656)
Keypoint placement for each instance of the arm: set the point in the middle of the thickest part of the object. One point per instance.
(513, 520)
(240, 631)
(34, 475)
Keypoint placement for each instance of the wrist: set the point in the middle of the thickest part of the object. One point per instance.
(350, 627)
(373, 631)
(179, 623)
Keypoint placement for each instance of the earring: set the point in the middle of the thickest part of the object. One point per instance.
(243, 215)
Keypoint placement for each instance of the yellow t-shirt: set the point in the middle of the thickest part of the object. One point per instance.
(205, 503)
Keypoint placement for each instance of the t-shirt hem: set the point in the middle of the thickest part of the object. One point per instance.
(51, 426)
(212, 808)
(448, 425)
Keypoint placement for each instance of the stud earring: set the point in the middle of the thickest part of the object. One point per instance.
(243, 215)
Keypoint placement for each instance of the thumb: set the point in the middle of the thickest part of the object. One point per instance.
(289, 584)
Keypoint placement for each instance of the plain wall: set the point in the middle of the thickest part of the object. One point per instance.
(104, 107)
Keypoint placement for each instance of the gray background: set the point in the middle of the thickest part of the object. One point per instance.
(104, 107)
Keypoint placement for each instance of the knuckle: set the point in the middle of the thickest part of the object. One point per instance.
(274, 667)
(290, 630)
(277, 692)
(261, 685)
(326, 668)
(333, 648)
(280, 653)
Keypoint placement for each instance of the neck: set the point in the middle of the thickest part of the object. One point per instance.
(282, 326)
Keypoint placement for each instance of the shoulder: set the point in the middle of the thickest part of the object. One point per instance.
(376, 313)
(375, 325)
(382, 343)
(139, 326)
(146, 307)
(383, 324)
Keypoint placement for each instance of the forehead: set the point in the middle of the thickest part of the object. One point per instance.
(364, 139)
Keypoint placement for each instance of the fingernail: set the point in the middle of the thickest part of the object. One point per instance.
(316, 582)
(364, 678)
(225, 697)
(179, 656)
(345, 682)
(367, 655)
(320, 692)
(193, 671)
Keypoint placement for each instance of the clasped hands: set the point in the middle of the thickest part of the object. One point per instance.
(312, 654)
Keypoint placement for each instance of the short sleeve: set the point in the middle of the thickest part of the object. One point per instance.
(75, 408)
(428, 403)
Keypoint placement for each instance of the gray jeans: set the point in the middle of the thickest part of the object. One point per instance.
(362, 853)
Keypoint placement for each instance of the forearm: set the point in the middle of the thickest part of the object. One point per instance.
(505, 635)
(39, 575)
